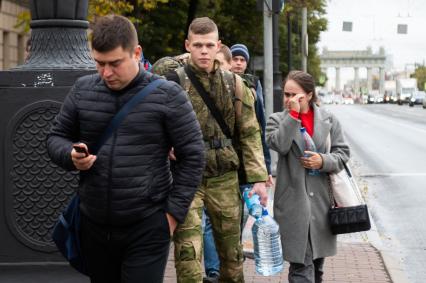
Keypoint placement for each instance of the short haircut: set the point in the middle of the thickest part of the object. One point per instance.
(202, 26)
(113, 31)
(227, 55)
(305, 81)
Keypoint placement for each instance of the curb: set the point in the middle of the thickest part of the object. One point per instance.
(392, 265)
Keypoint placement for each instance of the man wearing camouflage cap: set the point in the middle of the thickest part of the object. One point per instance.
(219, 191)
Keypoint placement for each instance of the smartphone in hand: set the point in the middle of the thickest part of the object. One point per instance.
(81, 149)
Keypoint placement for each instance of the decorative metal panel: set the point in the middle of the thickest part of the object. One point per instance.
(37, 190)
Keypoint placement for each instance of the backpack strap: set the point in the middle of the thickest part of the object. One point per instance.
(239, 93)
(183, 78)
(208, 101)
(119, 117)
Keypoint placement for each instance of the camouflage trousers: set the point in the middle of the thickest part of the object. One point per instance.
(222, 199)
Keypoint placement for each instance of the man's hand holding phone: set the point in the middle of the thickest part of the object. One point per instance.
(81, 157)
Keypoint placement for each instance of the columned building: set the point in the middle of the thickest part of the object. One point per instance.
(12, 39)
(355, 59)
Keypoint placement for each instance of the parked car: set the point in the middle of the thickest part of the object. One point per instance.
(417, 97)
(326, 99)
(348, 100)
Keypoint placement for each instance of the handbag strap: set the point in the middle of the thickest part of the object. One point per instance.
(119, 117)
(208, 101)
(330, 191)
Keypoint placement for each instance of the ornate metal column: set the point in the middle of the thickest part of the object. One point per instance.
(33, 190)
(58, 36)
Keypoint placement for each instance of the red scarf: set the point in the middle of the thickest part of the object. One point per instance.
(306, 118)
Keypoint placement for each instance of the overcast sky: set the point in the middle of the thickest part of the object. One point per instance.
(375, 24)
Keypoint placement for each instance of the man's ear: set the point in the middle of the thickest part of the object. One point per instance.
(138, 52)
(219, 44)
(187, 45)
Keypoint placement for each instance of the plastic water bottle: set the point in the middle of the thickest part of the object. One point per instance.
(309, 145)
(253, 203)
(268, 256)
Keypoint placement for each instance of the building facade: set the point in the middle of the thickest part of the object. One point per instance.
(12, 39)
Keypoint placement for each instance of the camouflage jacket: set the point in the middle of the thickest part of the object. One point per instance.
(237, 109)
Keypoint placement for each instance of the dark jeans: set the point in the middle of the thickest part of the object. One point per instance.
(130, 254)
(310, 271)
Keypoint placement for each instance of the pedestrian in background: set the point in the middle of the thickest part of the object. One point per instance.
(219, 192)
(301, 201)
(239, 63)
(129, 202)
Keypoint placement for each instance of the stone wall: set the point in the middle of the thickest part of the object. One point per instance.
(12, 40)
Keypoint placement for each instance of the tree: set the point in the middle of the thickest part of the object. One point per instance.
(162, 25)
(420, 75)
(316, 24)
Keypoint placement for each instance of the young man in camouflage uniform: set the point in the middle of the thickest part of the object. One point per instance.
(219, 191)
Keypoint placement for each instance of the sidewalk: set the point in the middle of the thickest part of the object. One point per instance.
(355, 262)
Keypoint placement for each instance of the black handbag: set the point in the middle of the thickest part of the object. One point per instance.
(66, 233)
(351, 218)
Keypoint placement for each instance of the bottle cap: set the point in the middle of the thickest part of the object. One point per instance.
(264, 212)
(302, 129)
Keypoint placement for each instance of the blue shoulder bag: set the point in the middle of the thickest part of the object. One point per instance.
(66, 233)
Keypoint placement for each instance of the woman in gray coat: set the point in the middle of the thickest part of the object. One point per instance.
(302, 200)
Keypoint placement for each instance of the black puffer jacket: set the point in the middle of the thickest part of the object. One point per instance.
(130, 178)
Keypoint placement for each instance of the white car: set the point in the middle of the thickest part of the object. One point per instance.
(348, 100)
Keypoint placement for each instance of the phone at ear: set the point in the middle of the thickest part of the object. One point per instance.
(81, 149)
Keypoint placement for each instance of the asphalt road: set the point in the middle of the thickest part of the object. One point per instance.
(388, 144)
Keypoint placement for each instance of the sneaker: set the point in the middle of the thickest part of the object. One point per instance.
(212, 277)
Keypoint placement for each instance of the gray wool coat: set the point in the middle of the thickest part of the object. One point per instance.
(301, 201)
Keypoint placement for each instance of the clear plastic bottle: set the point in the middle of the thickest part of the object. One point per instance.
(309, 145)
(268, 255)
(253, 203)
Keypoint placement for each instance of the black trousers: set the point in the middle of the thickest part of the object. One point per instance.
(131, 254)
(311, 271)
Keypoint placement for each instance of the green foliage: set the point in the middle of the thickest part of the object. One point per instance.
(162, 25)
(23, 21)
(316, 24)
(420, 75)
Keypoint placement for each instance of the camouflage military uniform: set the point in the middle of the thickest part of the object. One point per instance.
(219, 191)
(166, 64)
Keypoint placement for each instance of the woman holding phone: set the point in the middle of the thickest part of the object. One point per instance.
(301, 200)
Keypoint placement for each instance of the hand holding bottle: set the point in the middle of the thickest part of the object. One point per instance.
(311, 160)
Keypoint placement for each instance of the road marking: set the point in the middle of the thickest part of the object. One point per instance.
(387, 120)
(393, 175)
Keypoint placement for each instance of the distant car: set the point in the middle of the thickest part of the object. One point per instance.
(327, 99)
(348, 100)
(371, 99)
(337, 99)
(417, 97)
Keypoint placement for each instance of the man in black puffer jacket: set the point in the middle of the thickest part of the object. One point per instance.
(130, 204)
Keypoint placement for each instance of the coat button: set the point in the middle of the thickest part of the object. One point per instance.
(311, 194)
